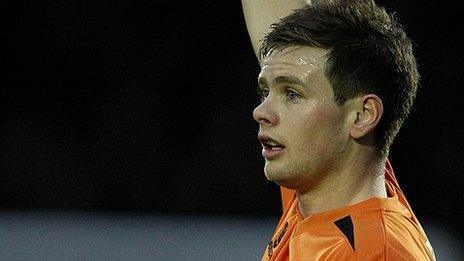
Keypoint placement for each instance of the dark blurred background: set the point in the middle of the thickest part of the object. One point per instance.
(142, 107)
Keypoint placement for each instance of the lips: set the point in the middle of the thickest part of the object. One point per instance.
(271, 148)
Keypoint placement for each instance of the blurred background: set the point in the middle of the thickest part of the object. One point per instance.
(126, 131)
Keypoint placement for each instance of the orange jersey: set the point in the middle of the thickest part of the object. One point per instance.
(375, 229)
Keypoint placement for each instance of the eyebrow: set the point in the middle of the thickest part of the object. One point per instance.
(289, 79)
(282, 79)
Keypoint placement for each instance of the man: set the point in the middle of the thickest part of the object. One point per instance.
(337, 80)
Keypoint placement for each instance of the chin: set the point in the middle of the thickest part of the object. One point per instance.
(283, 177)
(272, 173)
(279, 176)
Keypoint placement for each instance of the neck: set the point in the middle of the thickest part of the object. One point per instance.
(359, 178)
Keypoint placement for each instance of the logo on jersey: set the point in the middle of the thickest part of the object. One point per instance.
(274, 243)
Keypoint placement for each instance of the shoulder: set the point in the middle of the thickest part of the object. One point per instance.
(405, 239)
(364, 234)
(392, 235)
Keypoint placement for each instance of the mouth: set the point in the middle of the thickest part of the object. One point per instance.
(271, 148)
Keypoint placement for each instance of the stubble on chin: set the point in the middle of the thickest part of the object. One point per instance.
(299, 179)
(281, 175)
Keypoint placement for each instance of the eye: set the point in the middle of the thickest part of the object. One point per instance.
(292, 95)
(263, 93)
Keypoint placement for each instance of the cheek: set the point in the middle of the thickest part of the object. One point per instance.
(319, 131)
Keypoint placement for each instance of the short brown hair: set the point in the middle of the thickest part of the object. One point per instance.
(369, 52)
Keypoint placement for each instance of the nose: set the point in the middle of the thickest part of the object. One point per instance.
(265, 115)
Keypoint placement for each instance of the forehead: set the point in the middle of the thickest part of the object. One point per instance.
(300, 61)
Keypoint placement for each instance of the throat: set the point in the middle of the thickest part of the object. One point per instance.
(335, 193)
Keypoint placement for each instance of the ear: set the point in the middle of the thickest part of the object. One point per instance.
(369, 110)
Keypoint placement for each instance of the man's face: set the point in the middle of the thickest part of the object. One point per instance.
(303, 130)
